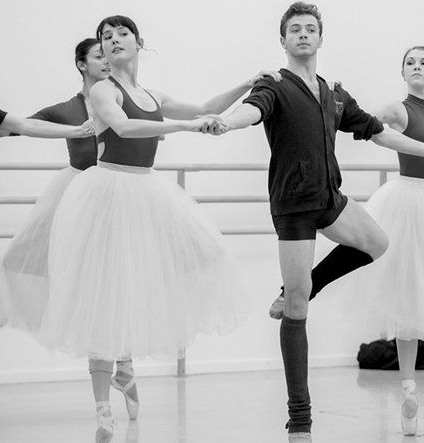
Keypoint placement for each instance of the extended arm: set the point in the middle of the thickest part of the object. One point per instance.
(242, 117)
(395, 116)
(175, 109)
(104, 99)
(393, 139)
(39, 128)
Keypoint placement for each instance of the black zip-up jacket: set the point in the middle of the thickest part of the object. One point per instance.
(303, 172)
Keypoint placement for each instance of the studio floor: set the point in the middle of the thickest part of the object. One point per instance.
(349, 405)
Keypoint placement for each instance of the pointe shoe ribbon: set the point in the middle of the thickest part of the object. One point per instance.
(106, 425)
(132, 405)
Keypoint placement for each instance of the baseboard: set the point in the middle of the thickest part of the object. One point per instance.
(155, 369)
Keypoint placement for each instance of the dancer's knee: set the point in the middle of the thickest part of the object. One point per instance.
(380, 244)
(296, 300)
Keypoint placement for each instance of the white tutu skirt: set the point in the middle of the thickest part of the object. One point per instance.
(390, 291)
(24, 267)
(136, 267)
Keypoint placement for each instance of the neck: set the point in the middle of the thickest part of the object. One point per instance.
(417, 91)
(305, 68)
(126, 73)
(87, 84)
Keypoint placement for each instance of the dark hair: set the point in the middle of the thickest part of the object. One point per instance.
(118, 20)
(408, 51)
(299, 8)
(82, 50)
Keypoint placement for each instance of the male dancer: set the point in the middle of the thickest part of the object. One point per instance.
(301, 116)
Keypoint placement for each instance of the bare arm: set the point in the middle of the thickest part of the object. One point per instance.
(242, 117)
(393, 139)
(175, 109)
(42, 129)
(394, 115)
(104, 99)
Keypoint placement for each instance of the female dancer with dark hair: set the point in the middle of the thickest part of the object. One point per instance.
(135, 265)
(23, 269)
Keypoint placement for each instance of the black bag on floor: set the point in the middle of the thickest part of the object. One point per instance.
(382, 354)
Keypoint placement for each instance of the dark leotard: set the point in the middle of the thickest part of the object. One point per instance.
(130, 151)
(82, 151)
(413, 165)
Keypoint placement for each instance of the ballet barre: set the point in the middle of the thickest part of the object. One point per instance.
(181, 170)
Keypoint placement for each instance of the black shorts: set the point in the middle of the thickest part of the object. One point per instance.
(304, 225)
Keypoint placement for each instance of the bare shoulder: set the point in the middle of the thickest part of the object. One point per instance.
(395, 115)
(101, 88)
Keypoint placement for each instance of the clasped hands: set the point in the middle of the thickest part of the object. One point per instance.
(211, 124)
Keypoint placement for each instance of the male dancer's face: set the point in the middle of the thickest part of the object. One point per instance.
(302, 37)
(413, 69)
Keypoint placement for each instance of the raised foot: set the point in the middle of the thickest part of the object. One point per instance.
(277, 308)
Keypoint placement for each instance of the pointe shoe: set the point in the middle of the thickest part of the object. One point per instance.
(300, 437)
(277, 308)
(409, 425)
(106, 424)
(132, 405)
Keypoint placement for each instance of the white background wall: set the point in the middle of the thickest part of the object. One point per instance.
(199, 49)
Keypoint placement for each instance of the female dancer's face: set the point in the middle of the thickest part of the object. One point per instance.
(413, 68)
(119, 44)
(96, 64)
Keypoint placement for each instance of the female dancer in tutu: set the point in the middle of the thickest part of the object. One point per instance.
(392, 287)
(27, 252)
(135, 266)
(23, 269)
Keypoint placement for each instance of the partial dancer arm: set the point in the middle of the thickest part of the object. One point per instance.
(366, 127)
(392, 139)
(42, 129)
(175, 109)
(104, 99)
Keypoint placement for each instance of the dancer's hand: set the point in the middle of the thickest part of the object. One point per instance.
(218, 127)
(264, 73)
(205, 124)
(87, 128)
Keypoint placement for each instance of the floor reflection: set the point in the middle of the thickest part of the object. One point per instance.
(133, 432)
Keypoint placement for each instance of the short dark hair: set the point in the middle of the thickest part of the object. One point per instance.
(408, 51)
(115, 21)
(82, 50)
(300, 8)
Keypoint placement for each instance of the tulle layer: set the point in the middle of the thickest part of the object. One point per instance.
(136, 266)
(24, 267)
(390, 292)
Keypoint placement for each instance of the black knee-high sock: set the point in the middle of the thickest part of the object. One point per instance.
(340, 261)
(294, 348)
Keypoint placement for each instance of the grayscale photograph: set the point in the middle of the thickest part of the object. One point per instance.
(188, 253)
